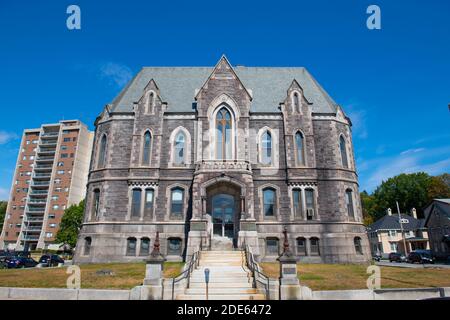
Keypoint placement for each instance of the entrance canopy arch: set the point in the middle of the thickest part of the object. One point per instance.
(223, 206)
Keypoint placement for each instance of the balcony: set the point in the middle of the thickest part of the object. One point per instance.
(32, 229)
(42, 175)
(50, 134)
(46, 152)
(37, 202)
(39, 193)
(52, 143)
(34, 210)
(223, 165)
(35, 219)
(40, 183)
(30, 238)
(45, 158)
(43, 168)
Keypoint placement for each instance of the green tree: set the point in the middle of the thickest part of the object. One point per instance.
(410, 190)
(368, 208)
(3, 205)
(71, 224)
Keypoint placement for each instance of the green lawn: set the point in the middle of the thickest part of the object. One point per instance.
(315, 276)
(352, 276)
(126, 276)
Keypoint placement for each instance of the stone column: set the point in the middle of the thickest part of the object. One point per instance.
(153, 282)
(289, 284)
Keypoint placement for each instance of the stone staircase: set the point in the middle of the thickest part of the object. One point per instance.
(229, 278)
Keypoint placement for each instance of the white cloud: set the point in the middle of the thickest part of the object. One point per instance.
(4, 194)
(412, 151)
(6, 137)
(117, 74)
(409, 161)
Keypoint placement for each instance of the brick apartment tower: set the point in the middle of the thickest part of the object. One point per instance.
(51, 174)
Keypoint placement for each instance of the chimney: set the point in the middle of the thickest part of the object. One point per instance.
(389, 211)
(414, 213)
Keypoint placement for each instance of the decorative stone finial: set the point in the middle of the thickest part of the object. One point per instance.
(286, 241)
(156, 256)
(287, 254)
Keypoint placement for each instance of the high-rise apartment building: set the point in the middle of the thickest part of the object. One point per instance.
(51, 174)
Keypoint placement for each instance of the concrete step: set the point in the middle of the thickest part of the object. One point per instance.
(201, 291)
(222, 297)
(223, 285)
(222, 252)
(230, 279)
(212, 277)
(220, 264)
(221, 269)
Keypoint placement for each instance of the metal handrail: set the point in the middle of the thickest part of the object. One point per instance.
(253, 266)
(193, 264)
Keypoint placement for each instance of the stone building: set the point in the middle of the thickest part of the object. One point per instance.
(215, 157)
(437, 220)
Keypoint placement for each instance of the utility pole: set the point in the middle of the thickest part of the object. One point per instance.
(401, 228)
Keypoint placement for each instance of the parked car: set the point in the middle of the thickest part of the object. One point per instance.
(420, 256)
(396, 257)
(50, 260)
(377, 257)
(20, 262)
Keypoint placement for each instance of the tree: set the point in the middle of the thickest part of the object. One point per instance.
(71, 224)
(446, 178)
(368, 208)
(410, 190)
(3, 205)
(438, 189)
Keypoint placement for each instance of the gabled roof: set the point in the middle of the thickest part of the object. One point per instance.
(391, 223)
(442, 205)
(268, 85)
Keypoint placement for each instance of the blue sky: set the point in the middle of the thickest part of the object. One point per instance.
(394, 83)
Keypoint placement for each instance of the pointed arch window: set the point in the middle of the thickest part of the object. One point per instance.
(180, 148)
(266, 148)
(223, 130)
(343, 148)
(146, 149)
(299, 149)
(102, 152)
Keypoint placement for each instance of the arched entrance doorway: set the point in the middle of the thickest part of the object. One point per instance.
(224, 210)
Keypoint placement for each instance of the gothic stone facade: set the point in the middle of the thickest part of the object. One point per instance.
(209, 155)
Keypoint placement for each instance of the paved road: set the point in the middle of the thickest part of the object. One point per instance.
(411, 265)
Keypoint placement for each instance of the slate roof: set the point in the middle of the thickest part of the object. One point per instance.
(443, 205)
(391, 223)
(269, 87)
